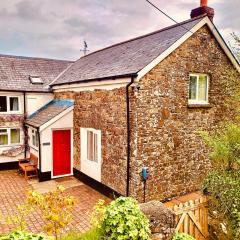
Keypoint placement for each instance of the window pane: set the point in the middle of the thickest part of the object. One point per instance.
(193, 88)
(34, 139)
(3, 104)
(14, 104)
(95, 148)
(3, 131)
(202, 88)
(36, 136)
(90, 145)
(15, 135)
(4, 139)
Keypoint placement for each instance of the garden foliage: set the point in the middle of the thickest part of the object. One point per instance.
(123, 219)
(55, 207)
(20, 235)
(182, 236)
(223, 182)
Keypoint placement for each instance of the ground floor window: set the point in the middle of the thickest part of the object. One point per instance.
(91, 144)
(35, 138)
(9, 136)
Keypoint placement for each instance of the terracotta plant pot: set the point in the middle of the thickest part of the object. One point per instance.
(204, 3)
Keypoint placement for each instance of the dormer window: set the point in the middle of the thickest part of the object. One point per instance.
(35, 80)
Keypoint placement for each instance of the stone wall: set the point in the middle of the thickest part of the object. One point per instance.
(164, 128)
(104, 110)
(167, 139)
(64, 95)
(162, 220)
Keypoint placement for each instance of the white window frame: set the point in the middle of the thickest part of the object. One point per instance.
(8, 104)
(89, 167)
(197, 101)
(9, 137)
(34, 133)
(84, 144)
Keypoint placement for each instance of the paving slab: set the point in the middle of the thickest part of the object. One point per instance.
(13, 191)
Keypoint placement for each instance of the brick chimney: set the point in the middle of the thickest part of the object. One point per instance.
(203, 9)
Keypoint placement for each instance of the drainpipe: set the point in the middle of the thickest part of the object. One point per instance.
(128, 136)
(39, 152)
(24, 124)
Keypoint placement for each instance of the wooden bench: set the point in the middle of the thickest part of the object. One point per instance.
(29, 164)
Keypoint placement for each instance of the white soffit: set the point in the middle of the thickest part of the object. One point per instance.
(92, 85)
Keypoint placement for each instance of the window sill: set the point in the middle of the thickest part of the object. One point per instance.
(11, 145)
(35, 148)
(199, 105)
(11, 113)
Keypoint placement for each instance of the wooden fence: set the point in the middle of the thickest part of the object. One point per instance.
(191, 215)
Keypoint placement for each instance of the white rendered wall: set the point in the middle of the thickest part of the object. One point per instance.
(4, 159)
(34, 101)
(66, 122)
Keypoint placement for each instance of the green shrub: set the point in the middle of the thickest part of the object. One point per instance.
(20, 235)
(222, 184)
(182, 236)
(123, 219)
(92, 234)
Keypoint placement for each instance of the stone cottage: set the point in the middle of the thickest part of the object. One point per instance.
(141, 103)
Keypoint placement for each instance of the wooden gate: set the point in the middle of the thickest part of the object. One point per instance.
(191, 215)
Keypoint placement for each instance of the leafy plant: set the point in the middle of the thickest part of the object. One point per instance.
(97, 215)
(123, 219)
(222, 184)
(19, 217)
(225, 146)
(92, 234)
(182, 236)
(20, 235)
(56, 208)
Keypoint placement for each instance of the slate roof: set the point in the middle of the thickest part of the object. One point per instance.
(126, 58)
(15, 72)
(48, 112)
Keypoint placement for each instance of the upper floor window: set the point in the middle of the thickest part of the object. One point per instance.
(9, 104)
(198, 89)
(9, 136)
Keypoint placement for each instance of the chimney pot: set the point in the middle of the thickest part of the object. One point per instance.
(204, 3)
(203, 10)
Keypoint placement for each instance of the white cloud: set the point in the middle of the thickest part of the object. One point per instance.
(57, 28)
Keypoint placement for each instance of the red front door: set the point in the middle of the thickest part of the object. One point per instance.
(61, 152)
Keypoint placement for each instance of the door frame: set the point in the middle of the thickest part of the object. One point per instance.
(71, 153)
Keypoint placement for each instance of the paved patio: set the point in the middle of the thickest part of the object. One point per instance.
(13, 189)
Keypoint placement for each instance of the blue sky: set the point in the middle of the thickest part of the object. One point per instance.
(57, 28)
